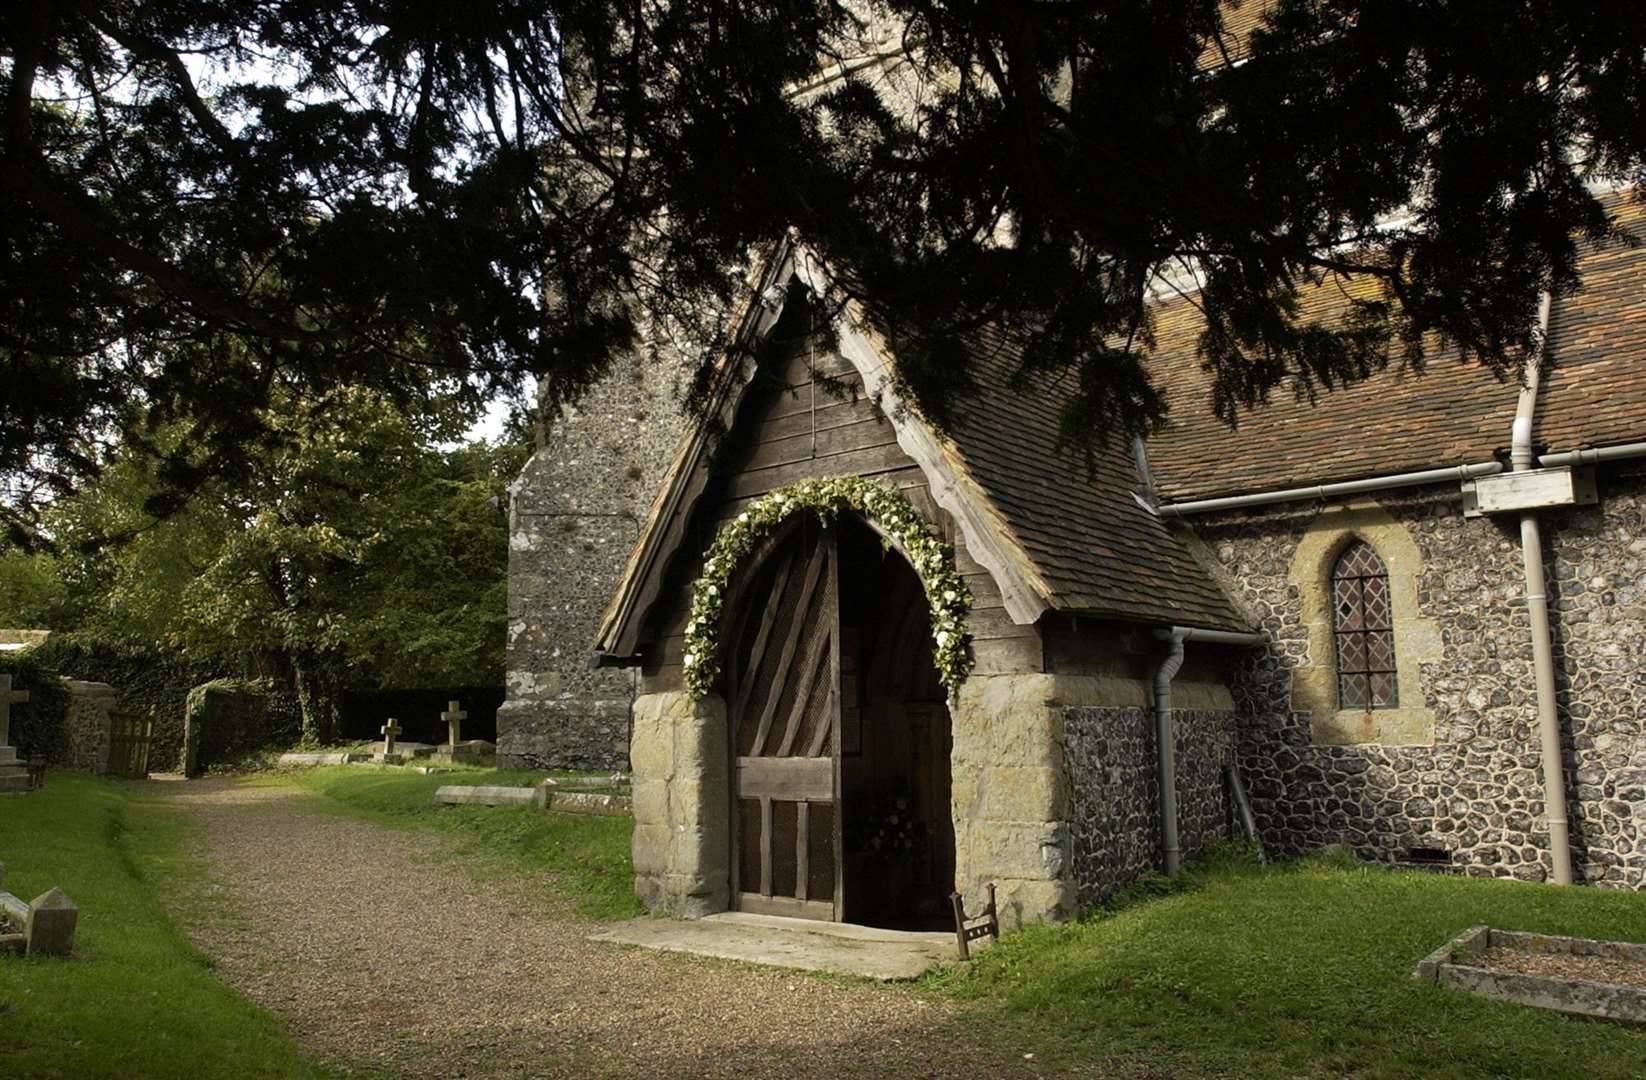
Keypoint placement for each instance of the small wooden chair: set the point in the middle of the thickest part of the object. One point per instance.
(985, 922)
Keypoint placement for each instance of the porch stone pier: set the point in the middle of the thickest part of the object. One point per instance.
(682, 799)
(1011, 795)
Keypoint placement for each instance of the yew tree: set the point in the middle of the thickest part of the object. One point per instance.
(410, 195)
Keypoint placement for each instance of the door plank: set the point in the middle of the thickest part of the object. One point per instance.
(799, 779)
(784, 658)
(802, 851)
(803, 695)
(765, 845)
(838, 900)
(821, 910)
(751, 669)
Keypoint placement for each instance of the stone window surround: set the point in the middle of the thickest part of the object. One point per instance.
(1417, 640)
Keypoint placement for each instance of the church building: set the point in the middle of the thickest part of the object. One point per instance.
(856, 663)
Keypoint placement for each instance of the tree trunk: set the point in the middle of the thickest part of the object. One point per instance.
(319, 696)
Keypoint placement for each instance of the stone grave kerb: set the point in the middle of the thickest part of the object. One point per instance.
(454, 717)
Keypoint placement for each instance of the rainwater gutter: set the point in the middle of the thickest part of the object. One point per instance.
(1620, 452)
(1317, 492)
(1524, 459)
(1165, 738)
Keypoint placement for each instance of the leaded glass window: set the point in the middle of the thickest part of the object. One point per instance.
(1364, 625)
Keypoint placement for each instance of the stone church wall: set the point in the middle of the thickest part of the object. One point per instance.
(1115, 794)
(1458, 780)
(574, 515)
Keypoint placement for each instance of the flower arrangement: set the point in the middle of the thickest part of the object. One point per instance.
(891, 828)
(947, 596)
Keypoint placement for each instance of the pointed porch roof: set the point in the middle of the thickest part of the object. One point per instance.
(1052, 535)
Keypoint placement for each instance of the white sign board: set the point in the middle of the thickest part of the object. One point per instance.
(1530, 490)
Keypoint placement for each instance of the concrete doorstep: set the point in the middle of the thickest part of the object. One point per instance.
(801, 944)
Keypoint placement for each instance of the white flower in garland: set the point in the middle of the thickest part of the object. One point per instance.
(946, 593)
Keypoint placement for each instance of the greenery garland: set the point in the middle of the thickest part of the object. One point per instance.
(947, 596)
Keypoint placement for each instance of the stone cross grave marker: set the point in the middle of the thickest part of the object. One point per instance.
(8, 698)
(454, 717)
(390, 730)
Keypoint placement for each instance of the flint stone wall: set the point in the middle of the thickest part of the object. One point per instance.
(86, 723)
(1476, 793)
(1114, 779)
(574, 516)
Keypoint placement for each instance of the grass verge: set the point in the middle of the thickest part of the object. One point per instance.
(1303, 970)
(136, 999)
(590, 855)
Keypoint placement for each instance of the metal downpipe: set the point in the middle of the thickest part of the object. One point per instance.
(1522, 458)
(1548, 716)
(1165, 734)
(1166, 753)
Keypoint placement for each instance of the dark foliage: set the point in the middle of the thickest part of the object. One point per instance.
(232, 721)
(149, 684)
(39, 726)
(365, 712)
(422, 196)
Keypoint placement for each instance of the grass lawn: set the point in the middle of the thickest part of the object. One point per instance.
(136, 999)
(1303, 970)
(1296, 970)
(590, 855)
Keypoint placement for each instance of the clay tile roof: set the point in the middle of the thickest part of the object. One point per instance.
(1096, 548)
(1399, 421)
(1239, 20)
(1596, 394)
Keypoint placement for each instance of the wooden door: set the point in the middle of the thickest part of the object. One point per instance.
(784, 691)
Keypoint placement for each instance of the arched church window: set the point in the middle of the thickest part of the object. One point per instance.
(1364, 629)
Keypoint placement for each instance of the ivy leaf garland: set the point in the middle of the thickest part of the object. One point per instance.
(947, 596)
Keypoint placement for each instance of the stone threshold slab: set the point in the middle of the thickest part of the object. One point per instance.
(800, 944)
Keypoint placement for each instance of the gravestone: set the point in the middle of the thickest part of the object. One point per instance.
(387, 755)
(45, 926)
(456, 748)
(14, 776)
(454, 717)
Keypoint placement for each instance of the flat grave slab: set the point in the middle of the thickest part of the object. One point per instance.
(482, 795)
(1576, 976)
(301, 760)
(587, 802)
(467, 750)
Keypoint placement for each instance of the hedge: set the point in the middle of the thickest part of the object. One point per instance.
(148, 684)
(39, 726)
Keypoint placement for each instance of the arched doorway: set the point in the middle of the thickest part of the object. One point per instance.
(840, 734)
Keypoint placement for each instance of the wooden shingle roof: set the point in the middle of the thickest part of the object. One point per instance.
(1454, 413)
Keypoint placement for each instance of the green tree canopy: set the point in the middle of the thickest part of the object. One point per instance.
(399, 195)
(351, 552)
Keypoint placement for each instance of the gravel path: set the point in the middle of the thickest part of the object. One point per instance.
(379, 953)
